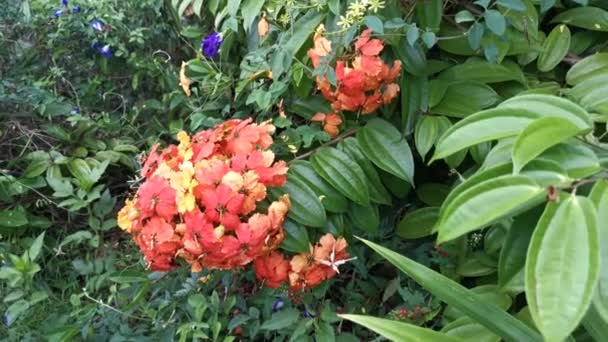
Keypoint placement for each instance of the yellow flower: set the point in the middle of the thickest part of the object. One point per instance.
(126, 215)
(184, 81)
(184, 149)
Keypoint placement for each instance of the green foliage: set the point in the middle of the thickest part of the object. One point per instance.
(486, 174)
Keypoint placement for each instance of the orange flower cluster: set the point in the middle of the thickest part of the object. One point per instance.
(199, 199)
(305, 270)
(364, 83)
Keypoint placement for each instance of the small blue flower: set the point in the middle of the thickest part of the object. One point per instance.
(57, 13)
(106, 51)
(278, 305)
(76, 9)
(5, 320)
(97, 25)
(75, 110)
(64, 3)
(308, 314)
(211, 44)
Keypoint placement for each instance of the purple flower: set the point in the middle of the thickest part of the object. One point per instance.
(64, 3)
(211, 44)
(278, 305)
(97, 25)
(57, 13)
(307, 313)
(105, 51)
(76, 9)
(5, 320)
(75, 110)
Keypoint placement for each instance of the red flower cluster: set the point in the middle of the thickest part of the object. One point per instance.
(199, 199)
(305, 270)
(364, 83)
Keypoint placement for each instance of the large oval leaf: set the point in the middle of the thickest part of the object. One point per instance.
(479, 96)
(550, 105)
(470, 210)
(587, 67)
(400, 331)
(554, 48)
(577, 159)
(484, 72)
(562, 266)
(539, 136)
(365, 218)
(382, 143)
(296, 238)
(590, 18)
(483, 126)
(377, 191)
(452, 293)
(306, 208)
(469, 330)
(426, 133)
(512, 257)
(599, 197)
(419, 223)
(331, 199)
(342, 173)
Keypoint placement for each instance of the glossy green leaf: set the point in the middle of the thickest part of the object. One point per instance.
(433, 194)
(599, 197)
(538, 136)
(588, 66)
(382, 143)
(36, 247)
(302, 30)
(331, 199)
(419, 223)
(425, 135)
(590, 18)
(377, 191)
(562, 266)
(546, 173)
(374, 23)
(512, 257)
(578, 160)
(477, 264)
(479, 96)
(452, 293)
(365, 218)
(489, 294)
(483, 72)
(487, 125)
(437, 89)
(13, 218)
(595, 324)
(281, 319)
(414, 99)
(339, 170)
(296, 238)
(399, 331)
(306, 208)
(429, 14)
(516, 5)
(469, 330)
(413, 57)
(469, 210)
(554, 48)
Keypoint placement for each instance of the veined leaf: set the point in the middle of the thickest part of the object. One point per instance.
(489, 294)
(512, 259)
(479, 96)
(589, 66)
(554, 49)
(330, 198)
(546, 173)
(578, 160)
(588, 17)
(539, 136)
(469, 330)
(377, 191)
(426, 134)
(302, 29)
(449, 291)
(382, 143)
(484, 72)
(339, 170)
(419, 223)
(562, 266)
(599, 197)
(296, 238)
(399, 331)
(549, 105)
(487, 125)
(306, 208)
(429, 14)
(470, 211)
(365, 217)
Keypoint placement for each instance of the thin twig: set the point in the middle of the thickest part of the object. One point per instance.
(331, 142)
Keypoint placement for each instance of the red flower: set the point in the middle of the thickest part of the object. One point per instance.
(156, 197)
(272, 269)
(222, 205)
